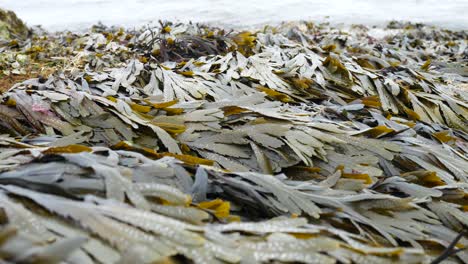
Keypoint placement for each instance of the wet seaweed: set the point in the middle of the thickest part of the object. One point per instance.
(297, 143)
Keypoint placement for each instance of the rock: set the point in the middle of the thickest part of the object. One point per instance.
(11, 26)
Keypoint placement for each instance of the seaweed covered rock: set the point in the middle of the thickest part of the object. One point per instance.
(183, 143)
(11, 26)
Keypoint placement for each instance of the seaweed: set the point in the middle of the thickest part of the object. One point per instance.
(185, 142)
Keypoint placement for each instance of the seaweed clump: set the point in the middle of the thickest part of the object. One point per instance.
(184, 142)
(11, 26)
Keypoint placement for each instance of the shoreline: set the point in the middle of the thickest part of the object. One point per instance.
(75, 15)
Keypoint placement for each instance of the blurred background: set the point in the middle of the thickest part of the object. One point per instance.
(79, 14)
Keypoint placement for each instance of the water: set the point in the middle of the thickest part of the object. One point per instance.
(79, 14)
